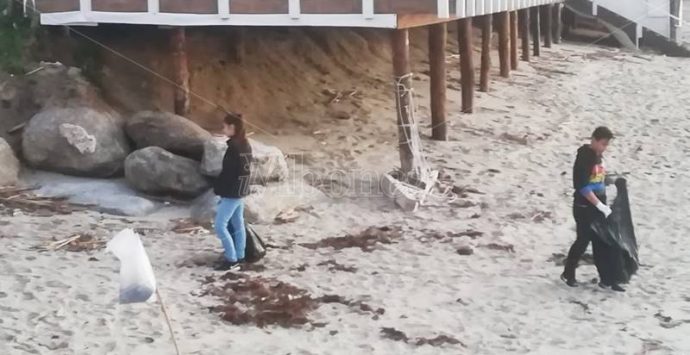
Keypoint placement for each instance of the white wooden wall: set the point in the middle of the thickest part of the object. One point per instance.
(652, 14)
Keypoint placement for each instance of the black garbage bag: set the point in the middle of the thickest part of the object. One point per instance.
(256, 249)
(617, 232)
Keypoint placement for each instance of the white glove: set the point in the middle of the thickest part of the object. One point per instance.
(606, 210)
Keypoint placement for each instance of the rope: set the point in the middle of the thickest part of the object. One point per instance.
(167, 320)
(421, 169)
(33, 6)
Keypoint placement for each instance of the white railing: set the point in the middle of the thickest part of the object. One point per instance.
(368, 9)
(294, 17)
(223, 9)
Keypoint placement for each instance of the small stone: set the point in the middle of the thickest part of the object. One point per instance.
(342, 115)
(465, 250)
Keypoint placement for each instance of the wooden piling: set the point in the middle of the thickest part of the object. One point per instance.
(524, 32)
(536, 31)
(12, 9)
(567, 22)
(238, 47)
(503, 27)
(547, 13)
(513, 40)
(400, 43)
(487, 32)
(466, 64)
(557, 23)
(438, 36)
(181, 71)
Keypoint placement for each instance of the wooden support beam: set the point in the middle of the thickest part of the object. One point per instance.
(523, 17)
(557, 22)
(238, 45)
(568, 21)
(180, 70)
(547, 13)
(513, 40)
(487, 32)
(466, 64)
(536, 31)
(438, 37)
(503, 26)
(400, 42)
(11, 9)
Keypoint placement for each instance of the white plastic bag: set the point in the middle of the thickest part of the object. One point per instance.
(137, 283)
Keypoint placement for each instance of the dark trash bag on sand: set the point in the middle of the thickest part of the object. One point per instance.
(256, 249)
(619, 235)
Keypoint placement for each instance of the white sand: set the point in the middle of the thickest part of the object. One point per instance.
(494, 301)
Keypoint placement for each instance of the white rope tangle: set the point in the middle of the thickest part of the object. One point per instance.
(421, 169)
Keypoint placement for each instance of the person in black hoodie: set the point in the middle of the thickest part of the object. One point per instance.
(589, 199)
(232, 185)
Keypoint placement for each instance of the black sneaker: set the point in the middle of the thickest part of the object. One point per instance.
(227, 266)
(617, 288)
(569, 282)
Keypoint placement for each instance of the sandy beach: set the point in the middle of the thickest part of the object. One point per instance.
(517, 151)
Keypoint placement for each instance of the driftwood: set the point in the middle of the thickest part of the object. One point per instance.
(75, 243)
(187, 226)
(287, 216)
(642, 57)
(23, 199)
(35, 71)
(16, 128)
(542, 70)
(337, 96)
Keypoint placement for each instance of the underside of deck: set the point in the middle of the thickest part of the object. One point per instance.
(329, 13)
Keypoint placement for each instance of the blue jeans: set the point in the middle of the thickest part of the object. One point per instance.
(229, 227)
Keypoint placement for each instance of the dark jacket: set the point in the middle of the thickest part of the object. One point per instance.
(588, 175)
(233, 181)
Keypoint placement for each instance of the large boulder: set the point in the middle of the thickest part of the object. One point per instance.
(264, 203)
(49, 86)
(171, 132)
(269, 164)
(54, 85)
(156, 171)
(75, 141)
(9, 165)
